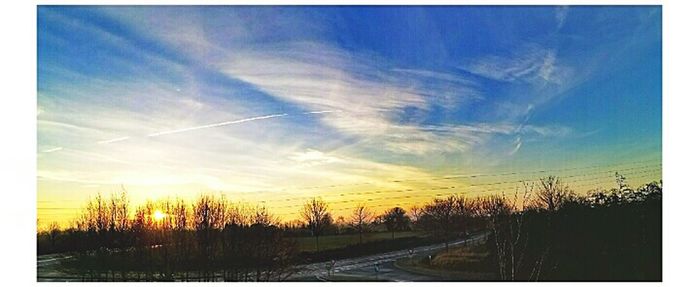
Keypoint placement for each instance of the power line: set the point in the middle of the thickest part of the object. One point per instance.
(428, 179)
(582, 182)
(434, 178)
(416, 193)
(441, 187)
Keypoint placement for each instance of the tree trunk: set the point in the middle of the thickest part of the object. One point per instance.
(317, 249)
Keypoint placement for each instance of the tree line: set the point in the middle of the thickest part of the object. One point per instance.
(535, 234)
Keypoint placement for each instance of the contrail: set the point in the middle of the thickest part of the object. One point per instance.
(53, 149)
(234, 122)
(113, 140)
(119, 139)
(215, 125)
(322, 112)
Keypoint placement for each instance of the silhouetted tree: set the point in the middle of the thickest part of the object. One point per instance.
(360, 218)
(180, 215)
(315, 214)
(508, 237)
(551, 193)
(395, 219)
(608, 235)
(119, 212)
(415, 213)
(209, 216)
(464, 215)
(53, 230)
(438, 218)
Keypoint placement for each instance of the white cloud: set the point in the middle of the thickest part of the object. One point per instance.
(516, 148)
(360, 101)
(371, 97)
(548, 131)
(532, 64)
(381, 104)
(52, 150)
(560, 14)
(312, 157)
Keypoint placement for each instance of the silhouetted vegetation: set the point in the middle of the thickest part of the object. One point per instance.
(605, 235)
(361, 217)
(541, 232)
(210, 239)
(546, 232)
(316, 216)
(395, 219)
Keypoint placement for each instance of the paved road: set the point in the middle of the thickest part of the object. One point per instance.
(363, 267)
(387, 272)
(46, 266)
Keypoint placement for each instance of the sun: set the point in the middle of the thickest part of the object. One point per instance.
(158, 215)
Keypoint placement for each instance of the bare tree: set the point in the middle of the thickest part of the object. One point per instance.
(180, 215)
(415, 213)
(54, 230)
(120, 211)
(506, 225)
(438, 218)
(209, 218)
(166, 220)
(314, 212)
(209, 213)
(464, 214)
(239, 215)
(95, 214)
(360, 218)
(497, 210)
(263, 217)
(621, 182)
(551, 193)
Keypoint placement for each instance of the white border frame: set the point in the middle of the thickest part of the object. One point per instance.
(18, 126)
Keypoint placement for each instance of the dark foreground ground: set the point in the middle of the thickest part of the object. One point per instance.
(376, 267)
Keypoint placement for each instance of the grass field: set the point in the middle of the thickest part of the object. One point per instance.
(461, 258)
(461, 263)
(340, 241)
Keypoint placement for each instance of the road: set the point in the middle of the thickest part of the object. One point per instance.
(46, 267)
(363, 268)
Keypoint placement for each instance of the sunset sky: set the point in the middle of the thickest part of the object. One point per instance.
(382, 105)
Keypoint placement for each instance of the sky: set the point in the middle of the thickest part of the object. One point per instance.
(390, 105)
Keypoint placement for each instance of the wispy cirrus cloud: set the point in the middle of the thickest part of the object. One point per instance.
(383, 105)
(373, 98)
(560, 14)
(302, 100)
(369, 102)
(530, 64)
(52, 150)
(518, 143)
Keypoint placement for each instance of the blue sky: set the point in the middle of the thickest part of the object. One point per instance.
(182, 100)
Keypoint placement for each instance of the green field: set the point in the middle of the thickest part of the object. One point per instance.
(340, 241)
(460, 263)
